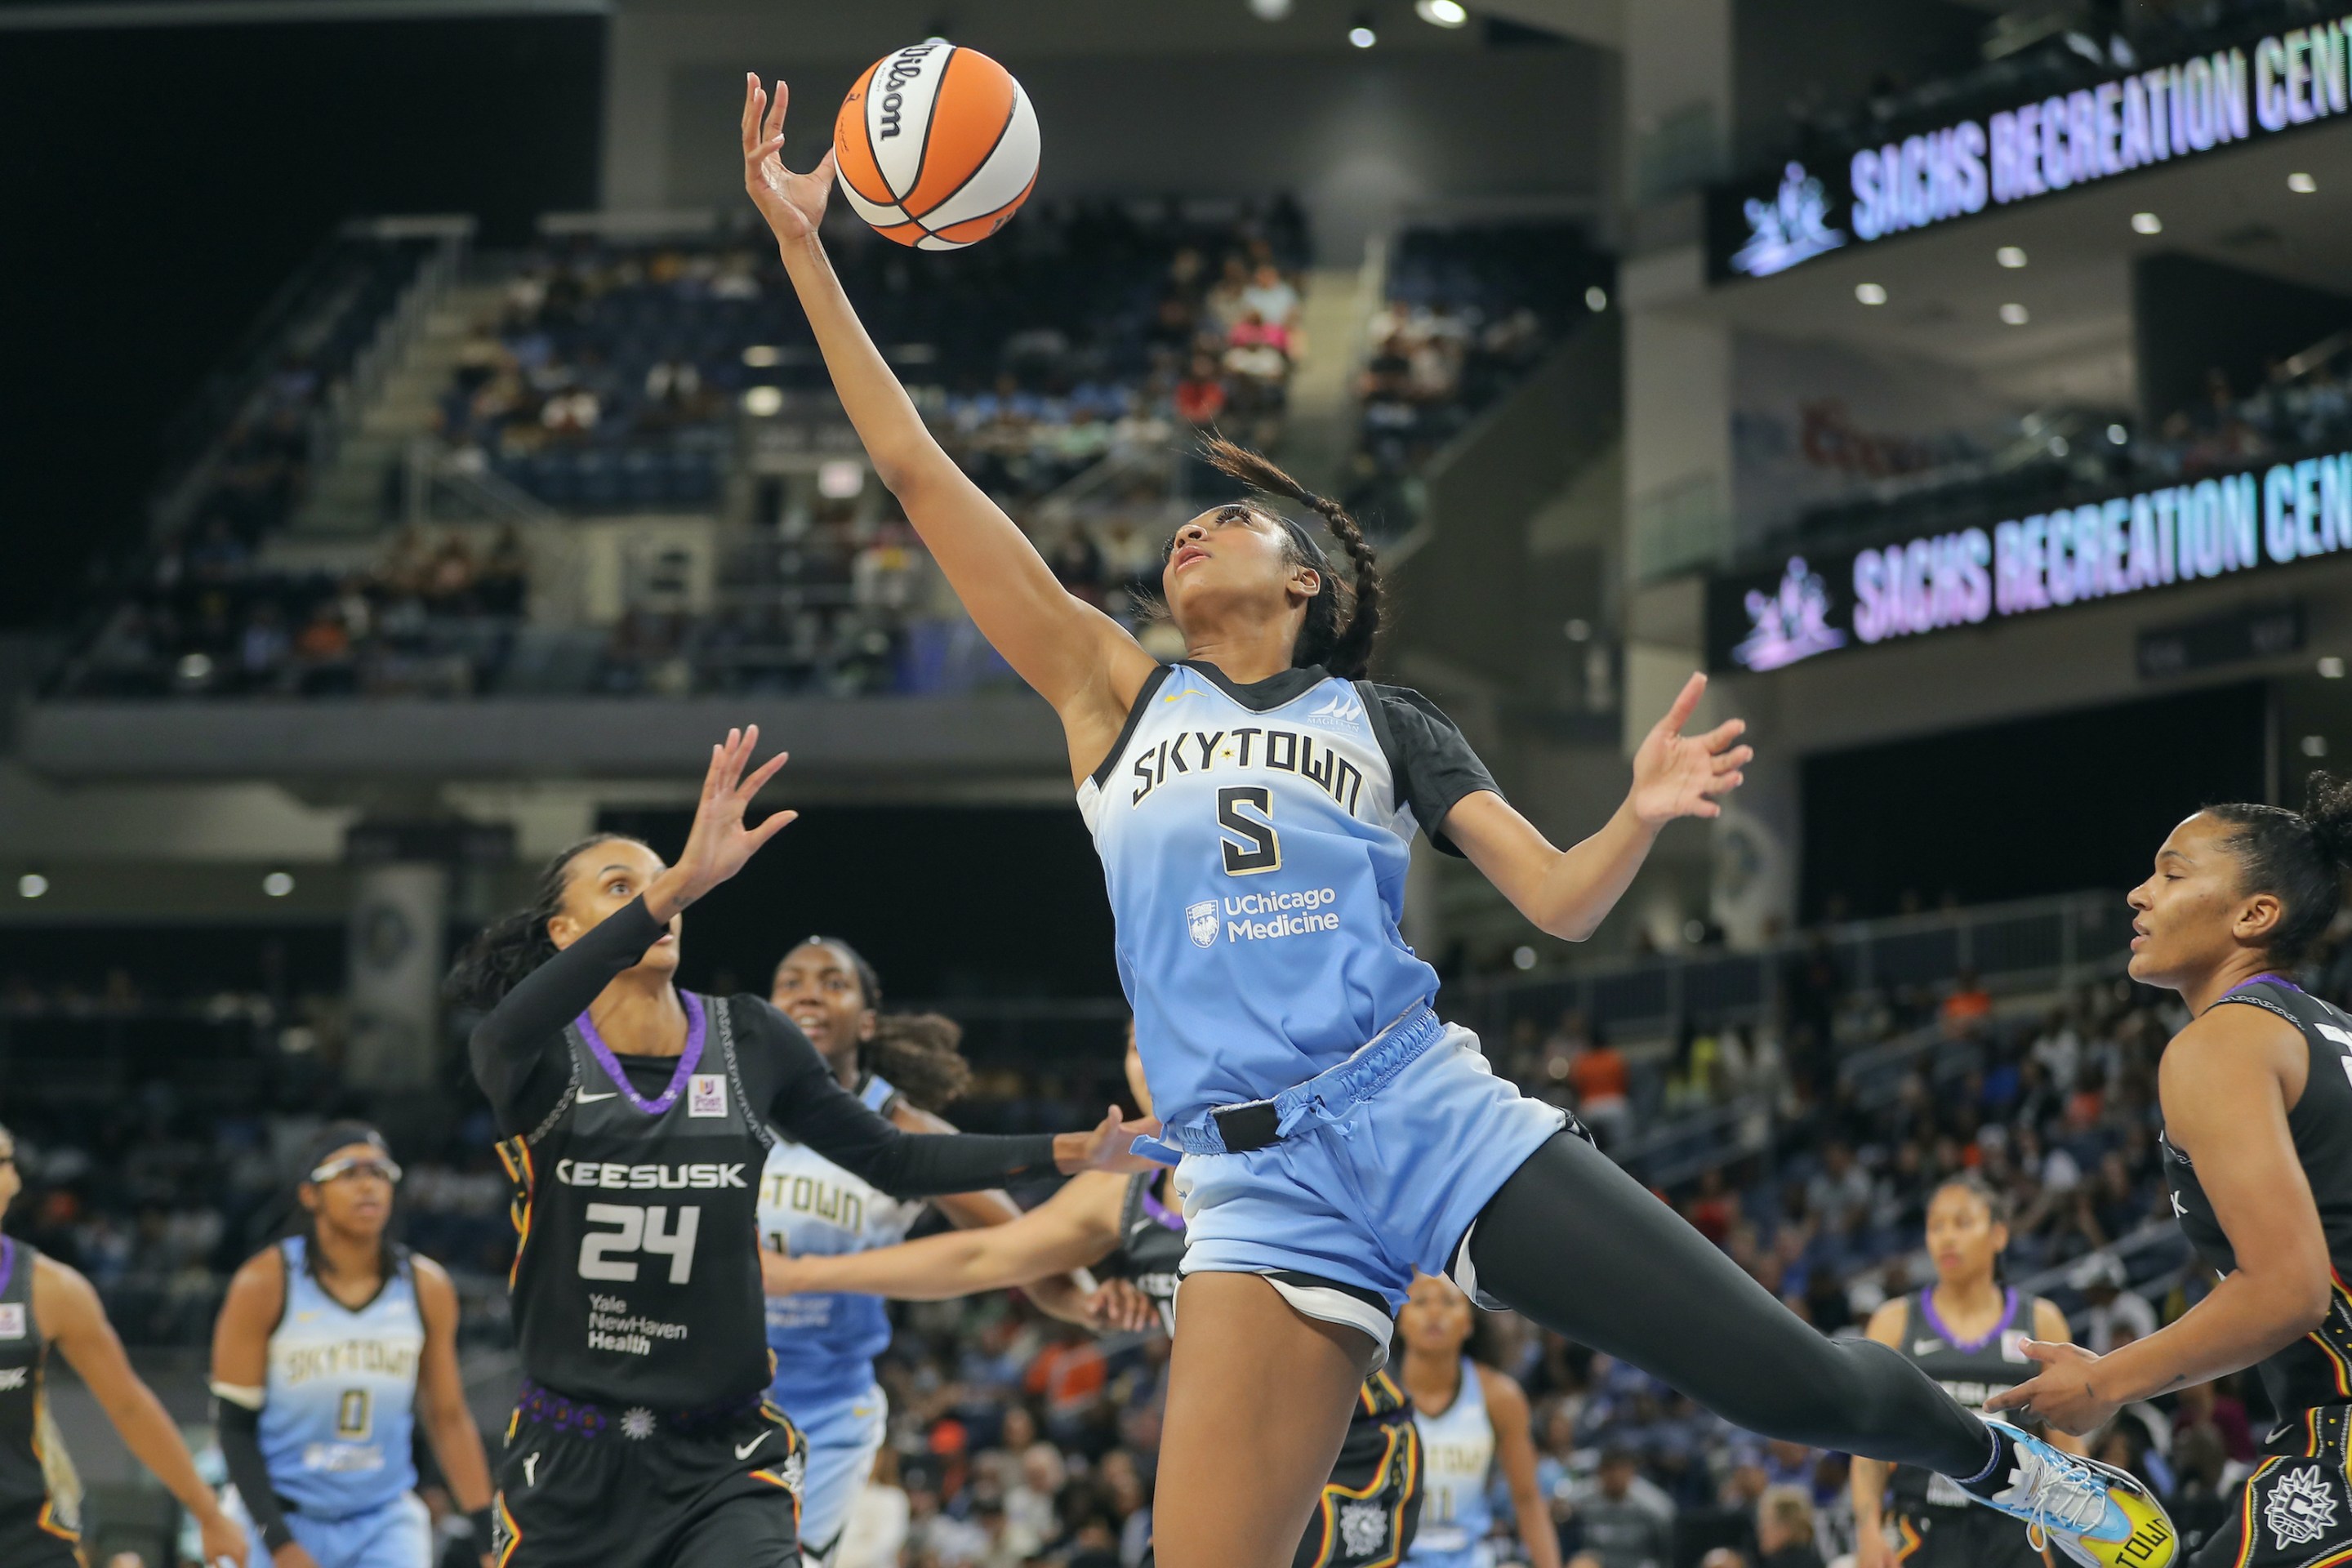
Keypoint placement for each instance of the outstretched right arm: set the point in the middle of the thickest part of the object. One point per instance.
(1077, 1227)
(1076, 657)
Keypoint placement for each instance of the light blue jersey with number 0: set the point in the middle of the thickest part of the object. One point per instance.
(1254, 841)
(339, 1407)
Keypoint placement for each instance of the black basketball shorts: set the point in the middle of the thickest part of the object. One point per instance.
(2296, 1507)
(625, 1491)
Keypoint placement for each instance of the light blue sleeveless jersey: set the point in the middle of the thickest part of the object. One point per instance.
(1254, 841)
(1457, 1456)
(339, 1407)
(810, 1207)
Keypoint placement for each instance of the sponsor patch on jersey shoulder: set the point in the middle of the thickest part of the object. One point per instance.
(2012, 1344)
(12, 1321)
(706, 1094)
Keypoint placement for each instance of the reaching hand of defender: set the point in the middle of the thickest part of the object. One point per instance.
(1118, 1307)
(792, 204)
(1676, 775)
(721, 844)
(1110, 1147)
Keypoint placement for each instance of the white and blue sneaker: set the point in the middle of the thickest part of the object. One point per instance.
(2096, 1514)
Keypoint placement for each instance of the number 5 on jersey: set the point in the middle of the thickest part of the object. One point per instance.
(1258, 849)
(638, 1230)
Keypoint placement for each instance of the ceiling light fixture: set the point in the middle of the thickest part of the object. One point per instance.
(2014, 314)
(1441, 12)
(2146, 223)
(2009, 256)
(1870, 293)
(2302, 185)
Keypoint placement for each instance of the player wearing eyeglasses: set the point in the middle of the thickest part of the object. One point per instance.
(332, 1346)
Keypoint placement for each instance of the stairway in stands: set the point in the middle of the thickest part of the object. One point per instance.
(347, 496)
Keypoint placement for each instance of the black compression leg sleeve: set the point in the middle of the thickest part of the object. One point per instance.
(1582, 1247)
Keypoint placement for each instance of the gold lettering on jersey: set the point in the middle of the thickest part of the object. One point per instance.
(298, 1364)
(1248, 747)
(828, 1201)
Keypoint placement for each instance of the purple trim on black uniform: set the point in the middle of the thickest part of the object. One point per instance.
(7, 1263)
(2257, 980)
(1172, 1218)
(1936, 1321)
(687, 1059)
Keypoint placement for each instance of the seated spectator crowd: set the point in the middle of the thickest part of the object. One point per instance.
(1469, 310)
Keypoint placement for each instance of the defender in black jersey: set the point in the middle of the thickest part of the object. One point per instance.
(1967, 1332)
(637, 1118)
(44, 1303)
(1131, 1230)
(2257, 1101)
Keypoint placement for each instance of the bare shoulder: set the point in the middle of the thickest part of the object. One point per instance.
(2220, 1070)
(265, 1270)
(2224, 1036)
(436, 1294)
(62, 1295)
(430, 1277)
(1504, 1396)
(2050, 1324)
(1886, 1323)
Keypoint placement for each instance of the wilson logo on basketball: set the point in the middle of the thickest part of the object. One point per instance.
(936, 146)
(904, 69)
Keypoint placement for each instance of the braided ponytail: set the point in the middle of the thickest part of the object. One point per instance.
(1343, 618)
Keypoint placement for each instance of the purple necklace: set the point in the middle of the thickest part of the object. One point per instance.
(687, 1059)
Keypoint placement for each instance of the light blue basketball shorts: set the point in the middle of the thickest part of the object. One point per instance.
(843, 1435)
(398, 1534)
(1385, 1162)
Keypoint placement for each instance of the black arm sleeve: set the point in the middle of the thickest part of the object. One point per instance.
(240, 1445)
(1431, 761)
(516, 1053)
(809, 1103)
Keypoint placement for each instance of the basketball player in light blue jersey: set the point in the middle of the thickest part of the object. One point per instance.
(1255, 804)
(904, 1067)
(331, 1346)
(1474, 1420)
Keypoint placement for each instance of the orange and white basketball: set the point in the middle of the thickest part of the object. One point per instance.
(936, 146)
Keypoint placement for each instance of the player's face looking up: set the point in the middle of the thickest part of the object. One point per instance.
(1436, 1315)
(818, 987)
(1236, 563)
(1963, 1238)
(2193, 914)
(351, 1190)
(603, 879)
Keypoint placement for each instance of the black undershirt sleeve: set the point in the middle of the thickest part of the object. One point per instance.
(783, 1071)
(240, 1447)
(518, 1050)
(1429, 757)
